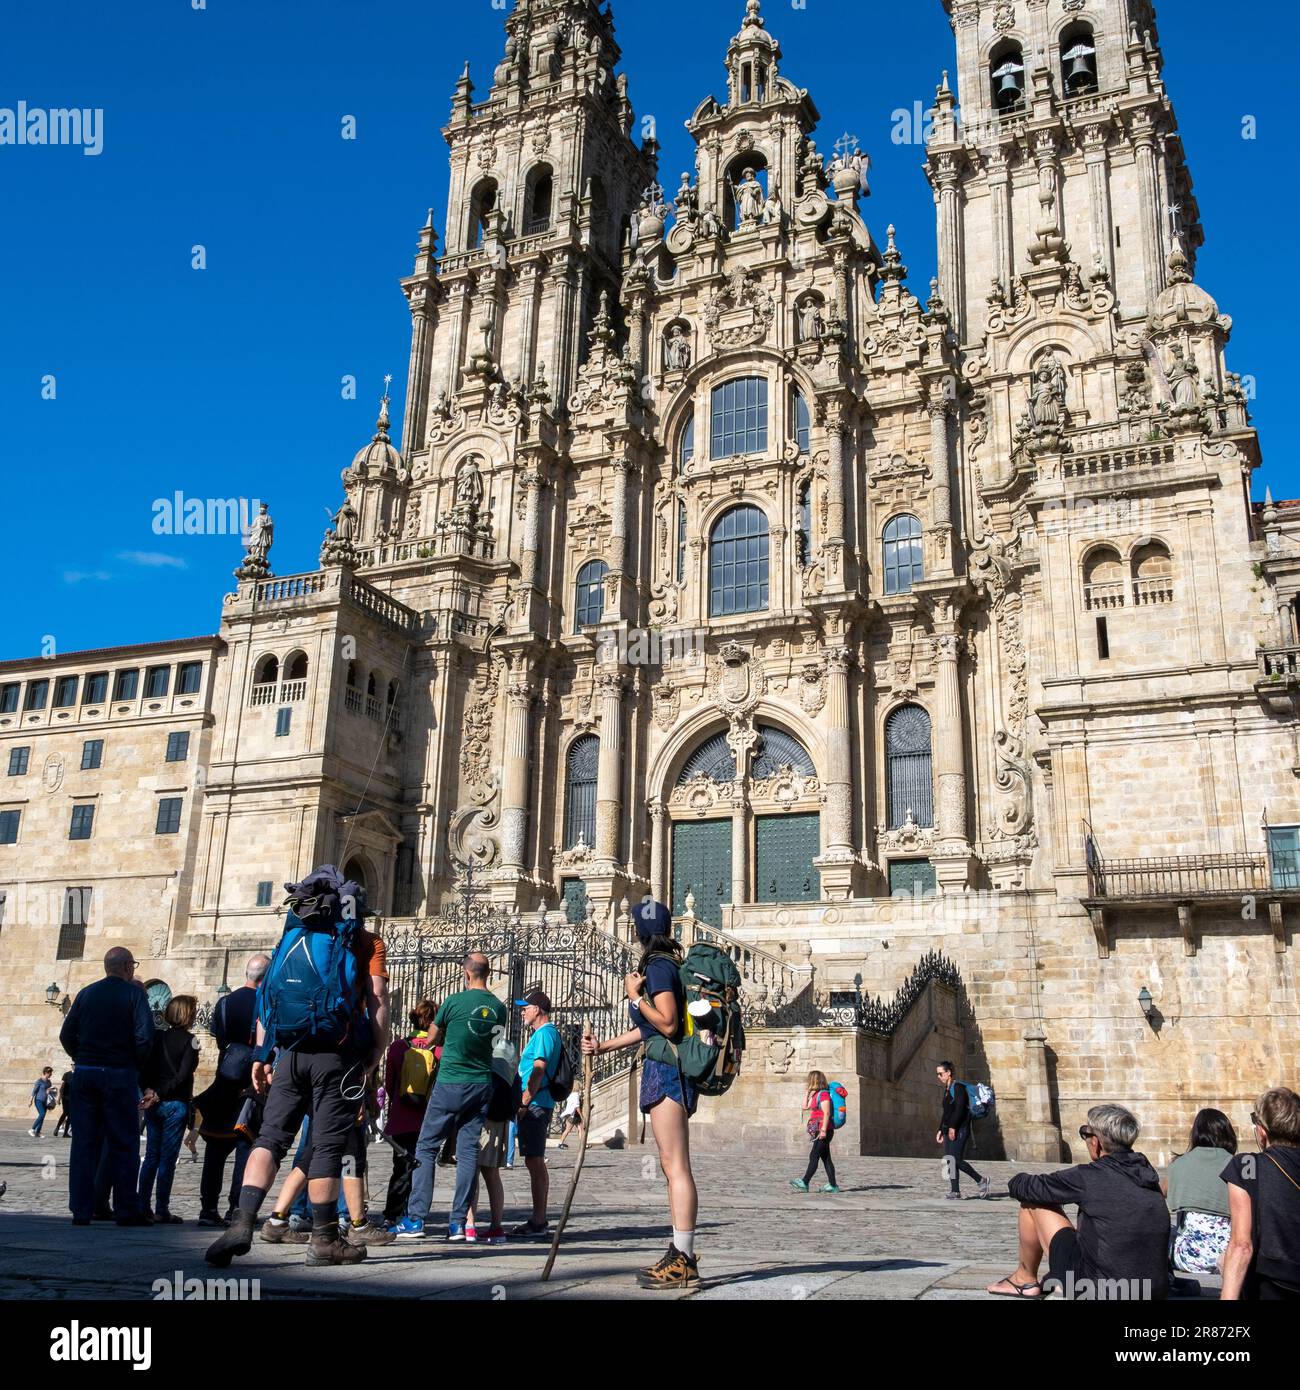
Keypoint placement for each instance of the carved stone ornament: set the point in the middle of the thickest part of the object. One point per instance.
(701, 794)
(1004, 18)
(472, 832)
(780, 1055)
(736, 681)
(476, 742)
(52, 773)
(667, 700)
(786, 789)
(812, 687)
(907, 837)
(740, 312)
(576, 856)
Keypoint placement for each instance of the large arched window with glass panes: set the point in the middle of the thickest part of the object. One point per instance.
(909, 767)
(903, 562)
(589, 601)
(802, 422)
(739, 418)
(738, 562)
(581, 769)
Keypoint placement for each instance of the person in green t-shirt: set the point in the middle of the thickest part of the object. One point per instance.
(468, 1026)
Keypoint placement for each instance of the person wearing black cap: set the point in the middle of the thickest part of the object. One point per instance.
(657, 1005)
(536, 1066)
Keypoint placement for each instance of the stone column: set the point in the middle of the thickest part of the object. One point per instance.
(950, 239)
(839, 754)
(1042, 1142)
(835, 576)
(999, 182)
(1150, 204)
(658, 843)
(940, 407)
(609, 772)
(949, 752)
(417, 378)
(618, 539)
(514, 789)
(533, 483)
(1097, 162)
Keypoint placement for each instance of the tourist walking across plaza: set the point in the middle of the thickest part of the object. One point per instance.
(657, 1007)
(819, 1106)
(537, 1068)
(168, 1073)
(41, 1100)
(108, 1033)
(1120, 1250)
(1263, 1256)
(63, 1125)
(323, 1020)
(466, 1027)
(954, 1133)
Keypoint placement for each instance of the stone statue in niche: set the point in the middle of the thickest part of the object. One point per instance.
(345, 522)
(677, 350)
(772, 208)
(811, 323)
(1184, 385)
(1047, 398)
(469, 484)
(710, 222)
(750, 199)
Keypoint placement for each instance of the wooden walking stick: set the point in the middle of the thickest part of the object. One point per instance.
(587, 1068)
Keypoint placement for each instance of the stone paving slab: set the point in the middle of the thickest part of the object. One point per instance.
(889, 1235)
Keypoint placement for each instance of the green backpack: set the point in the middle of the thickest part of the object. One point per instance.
(710, 1049)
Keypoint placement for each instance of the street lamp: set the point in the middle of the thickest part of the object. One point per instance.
(52, 993)
(1146, 1003)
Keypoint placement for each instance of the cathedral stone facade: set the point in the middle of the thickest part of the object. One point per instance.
(715, 565)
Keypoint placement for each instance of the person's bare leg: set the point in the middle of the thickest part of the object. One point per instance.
(540, 1180)
(354, 1193)
(322, 1191)
(672, 1137)
(496, 1195)
(293, 1184)
(1036, 1227)
(473, 1200)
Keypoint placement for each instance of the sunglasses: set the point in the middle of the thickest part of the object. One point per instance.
(1087, 1132)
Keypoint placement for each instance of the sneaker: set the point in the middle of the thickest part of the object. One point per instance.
(496, 1236)
(561, 1146)
(984, 1188)
(799, 1185)
(408, 1229)
(277, 1232)
(370, 1233)
(526, 1228)
(471, 1235)
(213, 1218)
(952, 1196)
(674, 1271)
(327, 1247)
(455, 1231)
(32, 1134)
(236, 1240)
(828, 1187)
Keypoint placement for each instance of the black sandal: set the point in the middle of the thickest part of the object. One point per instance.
(1021, 1290)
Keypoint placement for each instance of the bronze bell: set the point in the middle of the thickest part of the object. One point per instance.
(1008, 91)
(1080, 68)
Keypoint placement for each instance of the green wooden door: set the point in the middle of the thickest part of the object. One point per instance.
(702, 864)
(785, 849)
(912, 878)
(575, 900)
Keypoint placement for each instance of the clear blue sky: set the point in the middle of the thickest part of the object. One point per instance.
(222, 128)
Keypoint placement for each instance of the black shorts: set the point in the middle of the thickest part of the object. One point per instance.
(1064, 1262)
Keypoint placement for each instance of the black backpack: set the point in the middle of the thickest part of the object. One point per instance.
(560, 1082)
(506, 1098)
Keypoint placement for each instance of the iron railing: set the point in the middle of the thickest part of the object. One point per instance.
(1184, 877)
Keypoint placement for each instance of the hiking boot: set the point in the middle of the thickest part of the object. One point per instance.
(674, 1271)
(369, 1234)
(277, 1232)
(799, 1185)
(237, 1239)
(327, 1247)
(213, 1218)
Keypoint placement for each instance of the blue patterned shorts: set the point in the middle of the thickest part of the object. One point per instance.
(663, 1081)
(1201, 1242)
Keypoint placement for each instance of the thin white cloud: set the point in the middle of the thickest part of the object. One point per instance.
(80, 576)
(154, 559)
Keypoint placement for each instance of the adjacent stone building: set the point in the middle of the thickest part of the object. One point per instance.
(716, 565)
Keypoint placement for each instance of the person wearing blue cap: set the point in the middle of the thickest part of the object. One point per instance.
(536, 1068)
(657, 1006)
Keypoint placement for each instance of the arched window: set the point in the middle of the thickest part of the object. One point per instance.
(1103, 579)
(580, 791)
(482, 203)
(352, 673)
(1078, 60)
(295, 668)
(686, 443)
(802, 422)
(738, 559)
(1153, 575)
(590, 599)
(371, 685)
(907, 756)
(1007, 75)
(903, 562)
(539, 196)
(712, 759)
(739, 418)
(267, 671)
(775, 750)
(392, 693)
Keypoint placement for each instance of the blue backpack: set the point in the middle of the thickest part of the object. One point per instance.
(839, 1104)
(980, 1097)
(309, 991)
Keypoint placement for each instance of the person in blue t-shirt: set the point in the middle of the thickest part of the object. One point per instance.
(657, 1006)
(536, 1068)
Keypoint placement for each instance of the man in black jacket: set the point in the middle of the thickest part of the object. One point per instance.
(954, 1133)
(108, 1033)
(1120, 1250)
